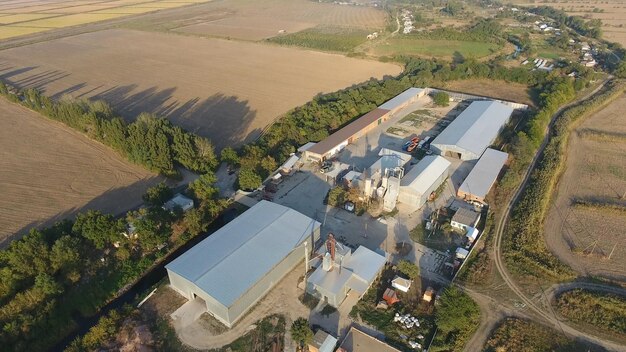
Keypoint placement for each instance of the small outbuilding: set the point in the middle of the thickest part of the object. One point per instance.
(478, 183)
(475, 129)
(465, 218)
(289, 166)
(322, 342)
(390, 297)
(179, 201)
(401, 284)
(422, 180)
(472, 234)
(358, 341)
(461, 253)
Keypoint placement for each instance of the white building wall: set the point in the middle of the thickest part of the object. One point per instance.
(416, 200)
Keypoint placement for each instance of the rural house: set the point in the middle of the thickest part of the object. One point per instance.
(465, 218)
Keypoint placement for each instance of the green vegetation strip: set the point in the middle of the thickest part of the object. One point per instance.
(435, 47)
(334, 39)
(597, 205)
(524, 247)
(601, 310)
(525, 336)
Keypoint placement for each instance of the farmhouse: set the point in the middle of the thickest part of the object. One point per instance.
(464, 218)
(236, 266)
(477, 184)
(342, 272)
(476, 128)
(179, 201)
(401, 283)
(334, 143)
(423, 179)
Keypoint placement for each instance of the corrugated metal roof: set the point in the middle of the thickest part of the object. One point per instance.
(358, 341)
(230, 261)
(401, 98)
(290, 162)
(390, 159)
(345, 133)
(476, 127)
(484, 173)
(466, 216)
(365, 263)
(425, 173)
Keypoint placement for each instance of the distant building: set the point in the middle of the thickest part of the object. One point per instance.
(179, 201)
(342, 271)
(236, 266)
(322, 342)
(464, 218)
(334, 143)
(478, 183)
(476, 128)
(423, 179)
(358, 341)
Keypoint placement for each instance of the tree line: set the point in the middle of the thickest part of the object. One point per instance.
(591, 28)
(150, 141)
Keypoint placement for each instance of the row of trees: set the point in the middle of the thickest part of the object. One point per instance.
(591, 28)
(75, 267)
(483, 30)
(149, 141)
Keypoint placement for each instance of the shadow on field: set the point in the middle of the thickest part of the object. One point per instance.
(116, 201)
(223, 119)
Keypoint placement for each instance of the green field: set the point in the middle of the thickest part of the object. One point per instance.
(335, 39)
(436, 48)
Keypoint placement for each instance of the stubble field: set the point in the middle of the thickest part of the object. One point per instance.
(591, 239)
(48, 172)
(225, 90)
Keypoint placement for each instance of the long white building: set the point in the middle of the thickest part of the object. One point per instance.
(236, 266)
(473, 131)
(423, 179)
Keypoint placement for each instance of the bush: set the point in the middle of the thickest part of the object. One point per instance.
(409, 269)
(603, 311)
(249, 180)
(441, 99)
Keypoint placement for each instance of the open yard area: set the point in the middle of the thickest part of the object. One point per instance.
(26, 17)
(48, 172)
(225, 90)
(585, 223)
(516, 92)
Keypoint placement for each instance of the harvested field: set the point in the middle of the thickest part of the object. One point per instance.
(227, 91)
(590, 238)
(22, 18)
(48, 172)
(515, 92)
(256, 20)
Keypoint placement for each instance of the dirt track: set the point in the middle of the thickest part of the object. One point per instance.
(225, 90)
(584, 239)
(48, 172)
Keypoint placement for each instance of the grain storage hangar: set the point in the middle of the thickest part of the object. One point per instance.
(475, 129)
(236, 266)
(482, 177)
(423, 179)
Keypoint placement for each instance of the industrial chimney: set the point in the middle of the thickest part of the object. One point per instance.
(331, 243)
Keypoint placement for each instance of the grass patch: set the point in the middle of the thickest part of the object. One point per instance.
(397, 131)
(598, 310)
(526, 336)
(436, 48)
(309, 300)
(336, 39)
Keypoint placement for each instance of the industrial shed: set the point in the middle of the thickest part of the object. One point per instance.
(334, 143)
(403, 99)
(422, 180)
(477, 184)
(389, 160)
(475, 129)
(236, 266)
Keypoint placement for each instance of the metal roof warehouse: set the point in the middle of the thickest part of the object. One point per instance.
(482, 177)
(473, 130)
(237, 265)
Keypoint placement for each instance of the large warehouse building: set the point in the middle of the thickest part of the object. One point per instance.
(423, 179)
(334, 143)
(475, 129)
(237, 265)
(482, 177)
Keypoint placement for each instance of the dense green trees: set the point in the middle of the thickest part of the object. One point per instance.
(301, 332)
(157, 195)
(149, 141)
(409, 269)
